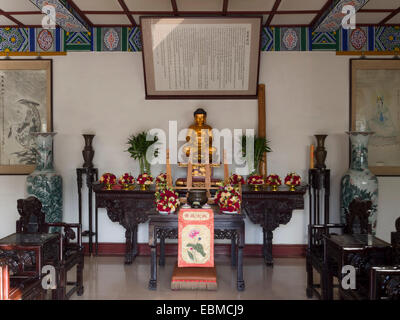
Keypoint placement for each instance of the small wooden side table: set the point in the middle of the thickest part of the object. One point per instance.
(92, 175)
(338, 248)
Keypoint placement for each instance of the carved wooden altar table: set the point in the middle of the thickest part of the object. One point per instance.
(128, 208)
(270, 209)
(226, 226)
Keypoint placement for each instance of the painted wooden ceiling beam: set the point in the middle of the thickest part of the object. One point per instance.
(390, 16)
(331, 20)
(77, 9)
(126, 11)
(174, 7)
(68, 15)
(9, 17)
(85, 12)
(325, 8)
(225, 7)
(274, 10)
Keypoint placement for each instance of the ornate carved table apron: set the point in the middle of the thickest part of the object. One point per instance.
(225, 227)
(271, 209)
(128, 208)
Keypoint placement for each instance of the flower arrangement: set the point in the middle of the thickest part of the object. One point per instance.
(126, 180)
(108, 179)
(236, 179)
(292, 180)
(255, 181)
(274, 181)
(167, 200)
(228, 199)
(161, 179)
(144, 180)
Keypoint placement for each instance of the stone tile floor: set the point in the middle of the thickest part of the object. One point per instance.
(110, 278)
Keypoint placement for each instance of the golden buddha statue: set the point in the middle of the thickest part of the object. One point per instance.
(200, 139)
(198, 148)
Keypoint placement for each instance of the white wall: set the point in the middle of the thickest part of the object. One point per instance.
(307, 93)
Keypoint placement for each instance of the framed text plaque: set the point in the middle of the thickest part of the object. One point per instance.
(195, 58)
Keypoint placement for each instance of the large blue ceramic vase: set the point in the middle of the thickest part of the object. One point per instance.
(44, 183)
(359, 183)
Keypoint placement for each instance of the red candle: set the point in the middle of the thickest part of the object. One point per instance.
(312, 157)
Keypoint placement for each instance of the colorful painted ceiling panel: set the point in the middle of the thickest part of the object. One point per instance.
(387, 38)
(359, 39)
(14, 40)
(129, 39)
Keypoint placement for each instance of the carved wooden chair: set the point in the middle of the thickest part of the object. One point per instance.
(377, 282)
(319, 227)
(316, 258)
(17, 287)
(32, 220)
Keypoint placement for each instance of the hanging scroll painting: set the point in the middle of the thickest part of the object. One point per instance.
(25, 107)
(375, 106)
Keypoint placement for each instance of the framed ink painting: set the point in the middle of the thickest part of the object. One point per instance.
(25, 107)
(375, 106)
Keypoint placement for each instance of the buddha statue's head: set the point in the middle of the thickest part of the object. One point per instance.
(200, 116)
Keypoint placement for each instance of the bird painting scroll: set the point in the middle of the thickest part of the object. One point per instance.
(25, 108)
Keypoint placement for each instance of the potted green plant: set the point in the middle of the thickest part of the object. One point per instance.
(138, 146)
(261, 146)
